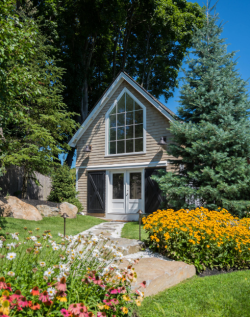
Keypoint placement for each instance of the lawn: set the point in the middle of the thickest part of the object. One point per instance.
(131, 231)
(224, 295)
(54, 224)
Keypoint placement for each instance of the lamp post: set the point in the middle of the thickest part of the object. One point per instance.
(64, 216)
(140, 213)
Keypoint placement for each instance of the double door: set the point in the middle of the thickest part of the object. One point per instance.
(126, 191)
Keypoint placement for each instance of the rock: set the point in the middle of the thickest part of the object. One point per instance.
(15, 208)
(159, 274)
(131, 245)
(47, 211)
(69, 209)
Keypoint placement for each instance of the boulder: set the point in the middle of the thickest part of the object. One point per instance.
(69, 209)
(159, 274)
(47, 211)
(16, 208)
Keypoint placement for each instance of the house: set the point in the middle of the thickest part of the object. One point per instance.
(118, 151)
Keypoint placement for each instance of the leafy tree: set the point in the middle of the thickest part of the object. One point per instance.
(33, 117)
(63, 187)
(211, 140)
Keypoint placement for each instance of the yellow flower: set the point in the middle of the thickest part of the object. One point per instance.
(138, 303)
(126, 298)
(62, 299)
(124, 310)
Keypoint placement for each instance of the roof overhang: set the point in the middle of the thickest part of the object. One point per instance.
(93, 114)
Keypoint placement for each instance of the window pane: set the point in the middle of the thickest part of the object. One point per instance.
(129, 132)
(112, 134)
(139, 131)
(113, 110)
(120, 146)
(129, 118)
(120, 133)
(129, 146)
(121, 104)
(139, 116)
(121, 119)
(118, 187)
(138, 145)
(129, 103)
(112, 147)
(137, 107)
(135, 186)
(112, 120)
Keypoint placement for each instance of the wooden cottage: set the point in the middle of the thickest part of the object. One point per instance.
(118, 151)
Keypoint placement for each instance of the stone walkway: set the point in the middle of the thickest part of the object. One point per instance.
(158, 271)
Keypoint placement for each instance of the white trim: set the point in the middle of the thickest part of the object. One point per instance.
(125, 90)
(124, 166)
(122, 154)
(106, 97)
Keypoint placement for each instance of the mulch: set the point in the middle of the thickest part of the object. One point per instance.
(209, 272)
(34, 202)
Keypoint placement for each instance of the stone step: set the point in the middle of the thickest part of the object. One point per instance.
(131, 245)
(159, 274)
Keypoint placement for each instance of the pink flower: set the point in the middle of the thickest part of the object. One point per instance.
(74, 309)
(143, 284)
(44, 297)
(115, 301)
(114, 291)
(61, 285)
(3, 285)
(100, 314)
(65, 313)
(17, 294)
(22, 302)
(83, 312)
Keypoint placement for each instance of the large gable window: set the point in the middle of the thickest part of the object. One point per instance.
(126, 126)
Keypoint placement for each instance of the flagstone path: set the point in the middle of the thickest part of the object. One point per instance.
(158, 271)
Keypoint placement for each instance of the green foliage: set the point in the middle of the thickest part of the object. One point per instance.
(33, 117)
(224, 295)
(63, 187)
(97, 39)
(211, 140)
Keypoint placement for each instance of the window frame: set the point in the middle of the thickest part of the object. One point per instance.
(107, 121)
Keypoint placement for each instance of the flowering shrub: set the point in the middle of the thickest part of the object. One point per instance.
(77, 277)
(201, 237)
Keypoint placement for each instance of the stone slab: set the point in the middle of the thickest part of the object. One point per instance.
(159, 274)
(131, 245)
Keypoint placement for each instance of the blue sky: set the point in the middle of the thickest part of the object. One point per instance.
(236, 32)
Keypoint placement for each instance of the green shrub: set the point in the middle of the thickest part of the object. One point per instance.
(63, 187)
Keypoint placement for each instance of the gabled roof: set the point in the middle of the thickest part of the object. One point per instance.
(107, 94)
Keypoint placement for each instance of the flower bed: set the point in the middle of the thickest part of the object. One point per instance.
(201, 237)
(77, 277)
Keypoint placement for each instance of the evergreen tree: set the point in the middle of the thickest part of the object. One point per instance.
(211, 139)
(63, 187)
(33, 118)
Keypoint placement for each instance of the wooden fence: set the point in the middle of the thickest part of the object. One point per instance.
(11, 183)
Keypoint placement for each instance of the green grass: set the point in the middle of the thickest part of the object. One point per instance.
(54, 224)
(131, 231)
(225, 295)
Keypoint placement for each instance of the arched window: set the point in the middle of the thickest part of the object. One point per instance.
(126, 126)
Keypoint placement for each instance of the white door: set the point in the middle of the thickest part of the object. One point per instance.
(126, 191)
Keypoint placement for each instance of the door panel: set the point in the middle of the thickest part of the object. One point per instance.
(153, 195)
(96, 192)
(134, 191)
(118, 201)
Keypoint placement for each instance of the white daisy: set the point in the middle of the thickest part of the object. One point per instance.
(51, 292)
(55, 247)
(49, 272)
(14, 236)
(33, 238)
(11, 245)
(11, 256)
(42, 264)
(11, 273)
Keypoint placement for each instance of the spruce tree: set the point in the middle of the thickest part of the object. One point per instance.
(63, 187)
(211, 136)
